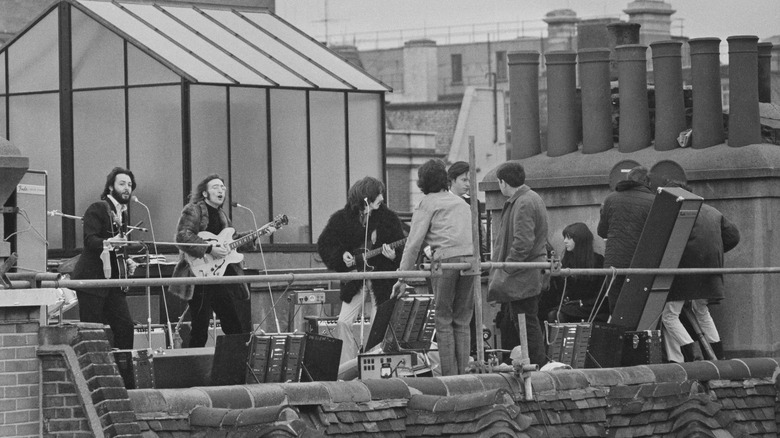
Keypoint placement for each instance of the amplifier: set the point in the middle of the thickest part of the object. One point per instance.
(384, 366)
(326, 326)
(135, 367)
(141, 337)
(293, 358)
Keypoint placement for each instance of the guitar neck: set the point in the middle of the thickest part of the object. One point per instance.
(244, 239)
(376, 251)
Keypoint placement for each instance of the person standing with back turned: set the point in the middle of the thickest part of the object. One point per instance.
(443, 221)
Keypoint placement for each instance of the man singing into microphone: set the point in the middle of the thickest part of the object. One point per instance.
(204, 213)
(103, 222)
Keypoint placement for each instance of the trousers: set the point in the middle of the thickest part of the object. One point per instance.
(675, 335)
(350, 312)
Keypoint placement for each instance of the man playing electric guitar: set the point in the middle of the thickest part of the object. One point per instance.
(363, 223)
(229, 301)
(103, 222)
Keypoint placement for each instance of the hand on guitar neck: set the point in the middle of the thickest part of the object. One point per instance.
(362, 256)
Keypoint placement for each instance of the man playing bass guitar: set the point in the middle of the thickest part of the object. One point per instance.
(229, 301)
(365, 222)
(103, 224)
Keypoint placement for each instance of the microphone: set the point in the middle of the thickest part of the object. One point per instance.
(53, 213)
(254, 220)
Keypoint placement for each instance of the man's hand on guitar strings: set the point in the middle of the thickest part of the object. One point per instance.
(219, 251)
(349, 259)
(388, 252)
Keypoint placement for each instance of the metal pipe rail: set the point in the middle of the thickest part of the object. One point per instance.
(46, 280)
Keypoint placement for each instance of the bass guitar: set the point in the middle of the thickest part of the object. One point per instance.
(210, 266)
(362, 256)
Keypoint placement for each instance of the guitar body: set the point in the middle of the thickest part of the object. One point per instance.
(208, 265)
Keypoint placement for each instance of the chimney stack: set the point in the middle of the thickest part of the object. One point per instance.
(596, 101)
(707, 121)
(634, 130)
(765, 72)
(524, 103)
(562, 132)
(744, 118)
(669, 100)
(421, 71)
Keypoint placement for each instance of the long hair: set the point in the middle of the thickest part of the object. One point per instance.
(111, 179)
(364, 190)
(203, 186)
(582, 257)
(432, 177)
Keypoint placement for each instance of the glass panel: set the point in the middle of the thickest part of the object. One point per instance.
(3, 130)
(2, 73)
(277, 50)
(365, 136)
(314, 50)
(155, 156)
(97, 53)
(249, 155)
(196, 44)
(33, 58)
(98, 145)
(208, 121)
(142, 69)
(328, 156)
(238, 47)
(289, 164)
(35, 130)
(149, 37)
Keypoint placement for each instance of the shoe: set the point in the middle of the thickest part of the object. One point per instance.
(717, 348)
(689, 353)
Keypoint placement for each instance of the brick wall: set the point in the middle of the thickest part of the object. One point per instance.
(62, 408)
(398, 188)
(19, 406)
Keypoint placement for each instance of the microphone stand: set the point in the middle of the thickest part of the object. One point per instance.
(148, 298)
(265, 268)
(159, 272)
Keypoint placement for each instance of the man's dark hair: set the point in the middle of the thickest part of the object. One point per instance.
(203, 186)
(432, 177)
(111, 179)
(512, 173)
(639, 174)
(457, 169)
(364, 190)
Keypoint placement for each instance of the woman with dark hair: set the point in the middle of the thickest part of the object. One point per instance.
(443, 221)
(365, 223)
(580, 292)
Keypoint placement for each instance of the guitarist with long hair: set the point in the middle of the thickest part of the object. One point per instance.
(229, 301)
(364, 224)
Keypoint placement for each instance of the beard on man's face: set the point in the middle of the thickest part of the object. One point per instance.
(121, 197)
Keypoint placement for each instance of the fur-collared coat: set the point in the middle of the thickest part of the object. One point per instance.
(194, 219)
(344, 232)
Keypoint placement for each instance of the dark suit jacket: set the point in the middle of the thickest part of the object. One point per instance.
(98, 226)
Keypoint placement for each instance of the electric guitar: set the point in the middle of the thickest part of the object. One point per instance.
(362, 256)
(210, 266)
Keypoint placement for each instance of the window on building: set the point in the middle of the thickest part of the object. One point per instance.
(457, 68)
(501, 69)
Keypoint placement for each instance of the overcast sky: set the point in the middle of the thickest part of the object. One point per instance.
(700, 18)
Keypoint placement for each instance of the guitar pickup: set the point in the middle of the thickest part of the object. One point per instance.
(310, 297)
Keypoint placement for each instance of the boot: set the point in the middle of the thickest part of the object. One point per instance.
(717, 348)
(688, 352)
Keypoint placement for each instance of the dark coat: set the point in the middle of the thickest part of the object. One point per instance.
(582, 292)
(99, 225)
(711, 236)
(522, 237)
(344, 232)
(622, 218)
(194, 219)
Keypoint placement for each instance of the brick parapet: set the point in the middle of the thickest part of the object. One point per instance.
(19, 373)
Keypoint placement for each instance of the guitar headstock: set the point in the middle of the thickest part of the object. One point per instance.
(280, 220)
